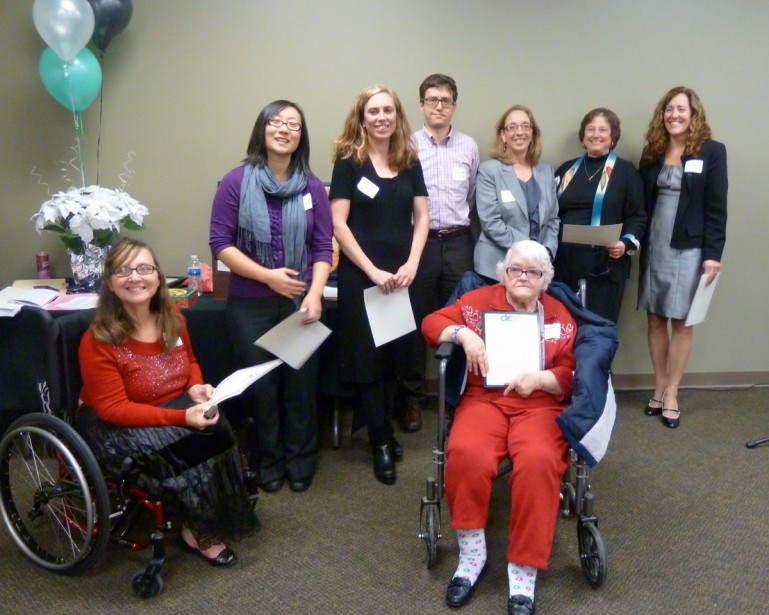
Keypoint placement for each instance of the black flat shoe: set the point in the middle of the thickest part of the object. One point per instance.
(271, 486)
(671, 422)
(384, 464)
(226, 558)
(397, 449)
(300, 484)
(649, 411)
(520, 605)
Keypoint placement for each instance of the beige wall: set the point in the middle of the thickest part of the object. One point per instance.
(184, 82)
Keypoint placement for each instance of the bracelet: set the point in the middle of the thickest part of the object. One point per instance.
(455, 332)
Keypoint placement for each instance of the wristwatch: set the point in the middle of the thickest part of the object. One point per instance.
(455, 332)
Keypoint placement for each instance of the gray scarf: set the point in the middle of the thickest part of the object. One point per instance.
(254, 235)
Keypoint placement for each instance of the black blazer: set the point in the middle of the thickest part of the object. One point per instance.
(701, 216)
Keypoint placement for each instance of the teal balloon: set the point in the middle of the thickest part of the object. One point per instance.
(74, 84)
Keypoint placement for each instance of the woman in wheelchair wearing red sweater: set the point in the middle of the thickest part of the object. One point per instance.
(144, 398)
(518, 420)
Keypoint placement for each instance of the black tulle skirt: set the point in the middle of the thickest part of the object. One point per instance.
(197, 474)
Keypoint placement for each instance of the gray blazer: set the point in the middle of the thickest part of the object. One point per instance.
(505, 217)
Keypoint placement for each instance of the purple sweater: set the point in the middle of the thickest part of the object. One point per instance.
(224, 230)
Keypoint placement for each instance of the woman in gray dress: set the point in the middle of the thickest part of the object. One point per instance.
(685, 186)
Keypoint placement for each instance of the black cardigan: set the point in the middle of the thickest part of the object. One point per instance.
(701, 216)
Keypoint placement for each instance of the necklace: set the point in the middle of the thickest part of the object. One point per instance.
(590, 177)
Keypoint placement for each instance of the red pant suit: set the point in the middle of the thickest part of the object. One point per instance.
(487, 425)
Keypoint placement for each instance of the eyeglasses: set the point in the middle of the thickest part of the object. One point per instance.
(291, 125)
(517, 272)
(432, 102)
(124, 272)
(524, 126)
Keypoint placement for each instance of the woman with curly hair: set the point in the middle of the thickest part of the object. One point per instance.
(685, 186)
(377, 189)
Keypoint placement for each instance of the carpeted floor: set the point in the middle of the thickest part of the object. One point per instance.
(683, 514)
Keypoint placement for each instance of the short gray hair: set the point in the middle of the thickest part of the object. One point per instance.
(530, 250)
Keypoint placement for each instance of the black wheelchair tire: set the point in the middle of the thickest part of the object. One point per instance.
(592, 554)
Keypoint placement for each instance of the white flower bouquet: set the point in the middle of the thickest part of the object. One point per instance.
(91, 216)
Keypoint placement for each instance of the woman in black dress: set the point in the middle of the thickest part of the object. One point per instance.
(377, 189)
(600, 188)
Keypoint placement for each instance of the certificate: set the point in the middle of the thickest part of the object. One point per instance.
(292, 341)
(701, 301)
(513, 345)
(601, 235)
(389, 315)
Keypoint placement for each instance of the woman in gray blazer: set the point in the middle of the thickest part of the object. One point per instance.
(515, 193)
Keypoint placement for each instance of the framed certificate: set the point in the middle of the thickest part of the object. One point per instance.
(513, 345)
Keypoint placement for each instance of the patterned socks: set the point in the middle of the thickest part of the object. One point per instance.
(472, 554)
(522, 580)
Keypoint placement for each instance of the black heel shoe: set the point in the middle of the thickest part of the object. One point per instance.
(649, 411)
(671, 422)
(227, 556)
(384, 463)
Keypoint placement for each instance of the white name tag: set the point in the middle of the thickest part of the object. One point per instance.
(507, 196)
(367, 187)
(179, 342)
(459, 174)
(693, 166)
(553, 331)
(307, 201)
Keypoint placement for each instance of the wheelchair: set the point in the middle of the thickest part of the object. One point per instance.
(59, 507)
(577, 498)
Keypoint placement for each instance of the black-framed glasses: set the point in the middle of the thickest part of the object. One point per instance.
(124, 272)
(291, 125)
(517, 272)
(524, 126)
(432, 102)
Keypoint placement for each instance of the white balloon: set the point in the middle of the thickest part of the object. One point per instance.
(65, 25)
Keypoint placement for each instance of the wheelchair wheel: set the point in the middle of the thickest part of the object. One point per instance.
(592, 554)
(431, 535)
(53, 498)
(146, 586)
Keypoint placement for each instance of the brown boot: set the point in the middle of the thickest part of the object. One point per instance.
(411, 418)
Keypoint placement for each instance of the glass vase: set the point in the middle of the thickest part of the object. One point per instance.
(87, 268)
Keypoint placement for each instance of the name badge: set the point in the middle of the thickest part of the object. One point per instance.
(553, 331)
(307, 201)
(459, 174)
(179, 342)
(367, 187)
(693, 166)
(507, 196)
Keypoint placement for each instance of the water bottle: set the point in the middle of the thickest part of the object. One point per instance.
(193, 275)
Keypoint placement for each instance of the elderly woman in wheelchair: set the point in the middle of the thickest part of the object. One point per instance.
(516, 421)
(144, 399)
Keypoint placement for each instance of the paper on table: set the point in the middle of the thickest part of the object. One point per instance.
(591, 235)
(513, 345)
(238, 381)
(293, 341)
(389, 316)
(84, 301)
(38, 297)
(701, 301)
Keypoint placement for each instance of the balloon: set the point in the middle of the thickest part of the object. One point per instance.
(65, 25)
(75, 85)
(111, 17)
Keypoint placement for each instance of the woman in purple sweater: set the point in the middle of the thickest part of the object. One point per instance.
(271, 225)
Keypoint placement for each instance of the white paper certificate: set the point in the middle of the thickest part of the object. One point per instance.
(390, 316)
(293, 341)
(701, 301)
(513, 345)
(601, 235)
(239, 381)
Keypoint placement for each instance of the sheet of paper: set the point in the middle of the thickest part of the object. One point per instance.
(38, 297)
(513, 345)
(9, 310)
(84, 301)
(293, 341)
(701, 301)
(591, 235)
(59, 284)
(390, 316)
(240, 380)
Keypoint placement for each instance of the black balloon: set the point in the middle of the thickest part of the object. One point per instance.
(110, 17)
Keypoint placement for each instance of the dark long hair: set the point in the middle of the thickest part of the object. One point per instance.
(257, 150)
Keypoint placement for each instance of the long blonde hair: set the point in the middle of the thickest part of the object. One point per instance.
(657, 137)
(112, 324)
(499, 151)
(353, 142)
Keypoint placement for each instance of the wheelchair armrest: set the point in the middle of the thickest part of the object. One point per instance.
(445, 350)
